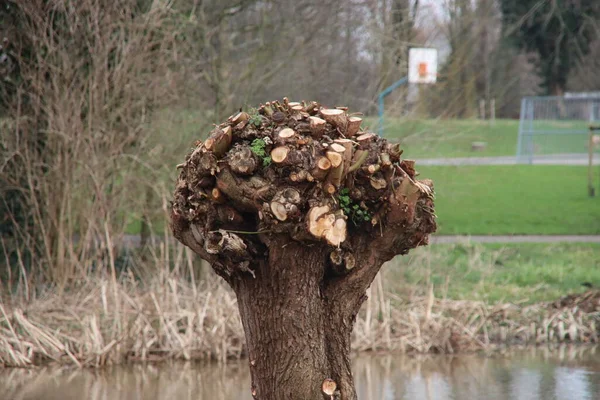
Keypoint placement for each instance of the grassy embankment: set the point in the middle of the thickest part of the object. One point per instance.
(496, 200)
(496, 273)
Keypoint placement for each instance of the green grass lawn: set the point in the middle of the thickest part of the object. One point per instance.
(473, 200)
(451, 138)
(493, 273)
(502, 200)
(515, 199)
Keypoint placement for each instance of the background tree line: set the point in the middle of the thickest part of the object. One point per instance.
(235, 52)
(98, 99)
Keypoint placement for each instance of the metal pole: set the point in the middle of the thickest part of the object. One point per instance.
(382, 95)
(521, 125)
(591, 190)
(482, 109)
(530, 144)
(381, 109)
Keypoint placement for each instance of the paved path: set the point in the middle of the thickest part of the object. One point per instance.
(555, 159)
(517, 239)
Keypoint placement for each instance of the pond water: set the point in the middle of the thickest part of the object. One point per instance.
(565, 373)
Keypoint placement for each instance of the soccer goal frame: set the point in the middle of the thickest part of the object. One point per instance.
(556, 126)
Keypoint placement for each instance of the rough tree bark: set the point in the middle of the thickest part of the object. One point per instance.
(297, 209)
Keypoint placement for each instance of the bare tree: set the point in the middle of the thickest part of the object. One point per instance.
(242, 51)
(391, 27)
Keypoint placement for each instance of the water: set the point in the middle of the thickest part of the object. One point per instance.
(567, 373)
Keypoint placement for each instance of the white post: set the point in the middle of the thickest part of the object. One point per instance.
(482, 109)
(493, 110)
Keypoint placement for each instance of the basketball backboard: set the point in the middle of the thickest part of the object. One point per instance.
(422, 65)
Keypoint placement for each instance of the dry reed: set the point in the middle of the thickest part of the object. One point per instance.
(425, 324)
(105, 321)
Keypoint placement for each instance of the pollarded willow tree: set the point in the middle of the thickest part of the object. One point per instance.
(297, 209)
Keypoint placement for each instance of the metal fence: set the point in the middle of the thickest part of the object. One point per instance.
(556, 126)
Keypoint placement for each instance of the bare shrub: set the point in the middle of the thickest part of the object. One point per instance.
(80, 151)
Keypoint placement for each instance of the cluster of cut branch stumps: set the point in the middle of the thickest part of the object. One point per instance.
(300, 169)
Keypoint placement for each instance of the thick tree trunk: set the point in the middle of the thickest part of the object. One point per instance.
(297, 209)
(295, 337)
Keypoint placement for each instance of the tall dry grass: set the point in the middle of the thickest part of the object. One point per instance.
(411, 318)
(137, 317)
(174, 315)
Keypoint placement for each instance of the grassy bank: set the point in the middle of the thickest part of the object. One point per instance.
(524, 273)
(515, 199)
(503, 200)
(451, 138)
(170, 315)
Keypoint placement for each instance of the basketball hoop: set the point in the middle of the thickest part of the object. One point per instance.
(422, 65)
(422, 68)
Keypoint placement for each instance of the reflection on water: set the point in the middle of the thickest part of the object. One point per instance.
(566, 373)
